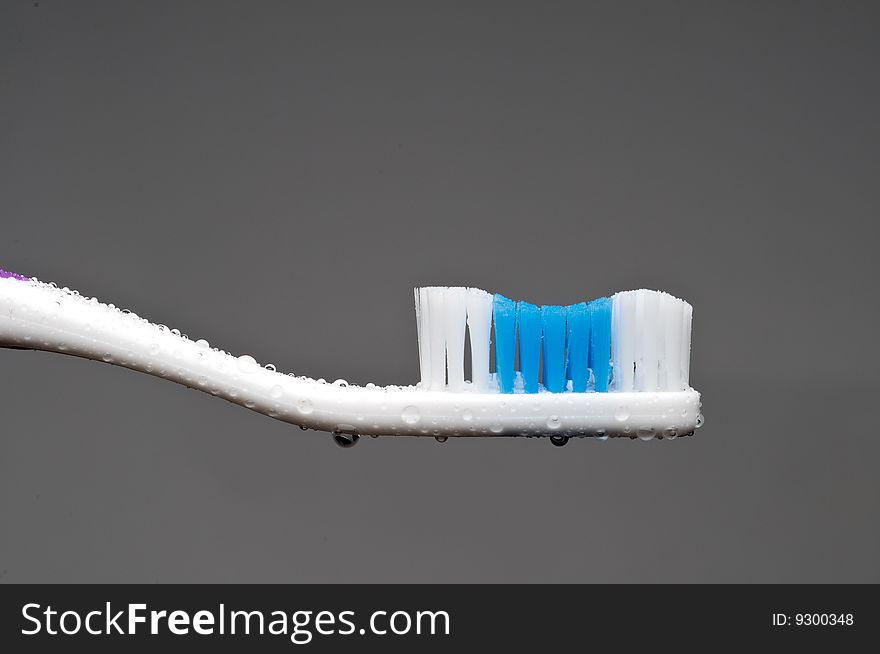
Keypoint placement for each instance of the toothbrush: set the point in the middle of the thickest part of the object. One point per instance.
(615, 366)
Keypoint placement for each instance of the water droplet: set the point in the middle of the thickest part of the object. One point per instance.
(153, 349)
(559, 440)
(670, 433)
(371, 385)
(270, 367)
(621, 414)
(162, 328)
(303, 427)
(276, 391)
(305, 406)
(107, 357)
(176, 332)
(467, 415)
(203, 381)
(495, 428)
(700, 421)
(247, 364)
(410, 415)
(553, 422)
(345, 440)
(646, 433)
(249, 404)
(441, 439)
(202, 343)
(341, 383)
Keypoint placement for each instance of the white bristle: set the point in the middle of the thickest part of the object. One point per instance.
(422, 323)
(615, 350)
(640, 329)
(671, 312)
(479, 320)
(623, 340)
(687, 317)
(436, 296)
(455, 319)
(652, 338)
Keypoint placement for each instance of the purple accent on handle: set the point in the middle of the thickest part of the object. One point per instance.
(5, 274)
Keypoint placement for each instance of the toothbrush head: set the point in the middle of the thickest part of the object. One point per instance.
(635, 341)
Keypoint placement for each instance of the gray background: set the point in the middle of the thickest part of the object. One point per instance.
(277, 177)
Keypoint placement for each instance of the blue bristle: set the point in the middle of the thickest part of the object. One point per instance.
(553, 324)
(504, 312)
(600, 341)
(578, 346)
(528, 320)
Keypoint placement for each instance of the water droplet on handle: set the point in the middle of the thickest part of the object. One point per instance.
(247, 364)
(410, 415)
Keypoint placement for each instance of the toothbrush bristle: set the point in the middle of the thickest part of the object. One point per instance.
(479, 320)
(455, 308)
(504, 315)
(578, 347)
(599, 359)
(528, 322)
(553, 350)
(634, 341)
